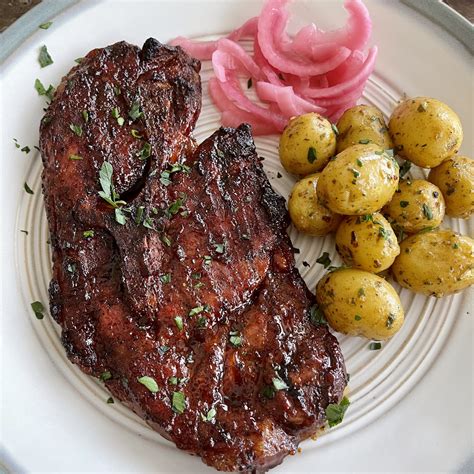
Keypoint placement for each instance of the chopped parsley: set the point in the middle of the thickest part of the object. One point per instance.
(383, 233)
(85, 115)
(110, 400)
(75, 157)
(149, 383)
(268, 391)
(166, 278)
(196, 310)
(27, 188)
(361, 292)
(335, 129)
(235, 339)
(423, 107)
(357, 317)
(77, 129)
(24, 231)
(135, 111)
(355, 173)
(88, 233)
(166, 240)
(316, 315)
(38, 309)
(105, 376)
(44, 57)
(179, 402)
(173, 380)
(178, 320)
(405, 168)
(145, 151)
(49, 92)
(108, 193)
(428, 213)
(120, 216)
(209, 416)
(324, 260)
(455, 246)
(278, 383)
(207, 259)
(359, 163)
(375, 346)
(219, 248)
(364, 141)
(312, 156)
(45, 26)
(404, 203)
(176, 206)
(335, 412)
(135, 133)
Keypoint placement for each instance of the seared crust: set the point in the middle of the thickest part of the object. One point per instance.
(226, 251)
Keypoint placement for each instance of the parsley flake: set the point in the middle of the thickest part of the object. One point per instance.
(404, 203)
(219, 248)
(316, 315)
(405, 168)
(324, 260)
(335, 412)
(428, 213)
(279, 384)
(75, 157)
(335, 129)
(178, 320)
(44, 57)
(179, 402)
(135, 111)
(45, 26)
(38, 309)
(27, 188)
(166, 278)
(390, 320)
(105, 376)
(209, 416)
(235, 339)
(77, 129)
(312, 156)
(149, 383)
(196, 310)
(110, 400)
(88, 233)
(375, 346)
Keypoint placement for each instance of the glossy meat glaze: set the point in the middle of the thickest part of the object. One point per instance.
(198, 290)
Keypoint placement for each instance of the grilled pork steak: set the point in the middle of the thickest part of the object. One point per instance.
(186, 300)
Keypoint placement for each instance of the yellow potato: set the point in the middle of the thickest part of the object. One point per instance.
(360, 303)
(307, 214)
(362, 124)
(455, 178)
(367, 242)
(425, 131)
(435, 263)
(306, 144)
(415, 206)
(360, 180)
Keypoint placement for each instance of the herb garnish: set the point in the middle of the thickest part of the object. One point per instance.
(324, 259)
(219, 248)
(38, 309)
(312, 156)
(423, 107)
(49, 92)
(105, 376)
(405, 168)
(108, 191)
(316, 315)
(75, 157)
(278, 383)
(196, 310)
(24, 231)
(455, 246)
(268, 391)
(77, 129)
(44, 57)
(404, 203)
(390, 320)
(357, 317)
(135, 111)
(145, 152)
(383, 233)
(88, 233)
(335, 413)
(135, 133)
(207, 259)
(166, 240)
(178, 320)
(85, 115)
(149, 383)
(427, 212)
(179, 402)
(375, 346)
(359, 163)
(110, 400)
(235, 338)
(45, 26)
(209, 416)
(166, 278)
(28, 189)
(175, 206)
(361, 292)
(335, 129)
(364, 141)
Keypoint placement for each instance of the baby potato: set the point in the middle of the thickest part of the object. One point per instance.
(360, 180)
(415, 205)
(436, 263)
(360, 303)
(362, 124)
(306, 144)
(307, 214)
(425, 131)
(367, 242)
(455, 178)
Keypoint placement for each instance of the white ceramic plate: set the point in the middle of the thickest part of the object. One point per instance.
(411, 402)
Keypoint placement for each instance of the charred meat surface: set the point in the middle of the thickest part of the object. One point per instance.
(190, 281)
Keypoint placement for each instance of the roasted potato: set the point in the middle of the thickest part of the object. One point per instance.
(415, 205)
(306, 144)
(362, 124)
(367, 242)
(455, 178)
(360, 180)
(360, 303)
(307, 214)
(425, 131)
(435, 263)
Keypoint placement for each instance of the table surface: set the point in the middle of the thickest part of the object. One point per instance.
(11, 10)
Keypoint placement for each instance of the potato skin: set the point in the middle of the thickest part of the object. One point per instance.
(455, 178)
(436, 263)
(425, 131)
(416, 205)
(304, 133)
(361, 123)
(360, 180)
(360, 303)
(367, 242)
(307, 214)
